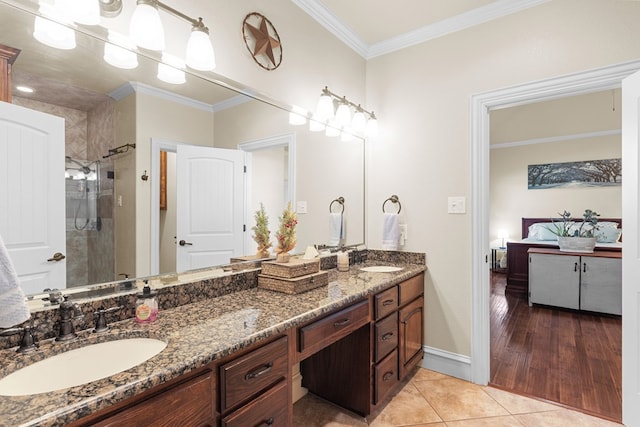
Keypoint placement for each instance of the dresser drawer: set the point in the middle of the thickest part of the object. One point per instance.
(386, 333)
(270, 409)
(386, 377)
(252, 373)
(335, 326)
(385, 302)
(411, 288)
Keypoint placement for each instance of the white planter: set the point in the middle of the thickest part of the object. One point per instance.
(577, 244)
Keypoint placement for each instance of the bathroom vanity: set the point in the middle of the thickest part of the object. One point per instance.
(229, 359)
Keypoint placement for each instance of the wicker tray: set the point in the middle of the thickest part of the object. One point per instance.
(293, 286)
(294, 268)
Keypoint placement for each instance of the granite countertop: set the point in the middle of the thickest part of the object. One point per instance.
(196, 334)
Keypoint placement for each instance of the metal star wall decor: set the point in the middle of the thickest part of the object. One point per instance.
(262, 41)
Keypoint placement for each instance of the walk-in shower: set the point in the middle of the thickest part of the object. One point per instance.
(82, 189)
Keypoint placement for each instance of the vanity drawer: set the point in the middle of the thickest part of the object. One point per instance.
(252, 373)
(411, 288)
(386, 336)
(270, 409)
(332, 328)
(386, 302)
(386, 376)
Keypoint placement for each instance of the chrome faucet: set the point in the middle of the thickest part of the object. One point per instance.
(69, 312)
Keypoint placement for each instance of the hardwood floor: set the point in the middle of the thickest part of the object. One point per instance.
(573, 358)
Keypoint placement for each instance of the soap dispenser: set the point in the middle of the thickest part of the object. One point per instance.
(146, 306)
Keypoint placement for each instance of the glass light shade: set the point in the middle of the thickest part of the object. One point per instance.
(200, 54)
(298, 116)
(324, 109)
(116, 54)
(372, 127)
(316, 125)
(359, 122)
(169, 70)
(332, 129)
(53, 34)
(145, 28)
(343, 115)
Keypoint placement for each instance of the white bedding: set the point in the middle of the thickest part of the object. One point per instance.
(555, 243)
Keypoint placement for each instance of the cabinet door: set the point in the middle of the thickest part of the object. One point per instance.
(601, 285)
(554, 280)
(411, 318)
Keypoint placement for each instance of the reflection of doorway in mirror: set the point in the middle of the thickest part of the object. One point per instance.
(269, 181)
(167, 232)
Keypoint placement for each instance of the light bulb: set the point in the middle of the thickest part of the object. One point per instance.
(145, 28)
(297, 116)
(116, 54)
(200, 54)
(343, 115)
(170, 69)
(52, 33)
(324, 109)
(372, 127)
(359, 122)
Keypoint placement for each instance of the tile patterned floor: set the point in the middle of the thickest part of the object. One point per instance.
(435, 400)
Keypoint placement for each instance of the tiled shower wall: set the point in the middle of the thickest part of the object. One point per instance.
(88, 136)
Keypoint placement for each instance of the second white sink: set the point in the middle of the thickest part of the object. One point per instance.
(80, 366)
(381, 269)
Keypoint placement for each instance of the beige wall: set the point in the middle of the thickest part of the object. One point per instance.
(421, 96)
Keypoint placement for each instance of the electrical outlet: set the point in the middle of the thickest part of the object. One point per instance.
(301, 207)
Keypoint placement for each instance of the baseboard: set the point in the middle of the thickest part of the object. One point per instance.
(445, 362)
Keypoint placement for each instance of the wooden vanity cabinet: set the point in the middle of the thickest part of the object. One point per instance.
(363, 369)
(185, 401)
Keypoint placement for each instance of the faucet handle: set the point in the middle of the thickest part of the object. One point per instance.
(28, 342)
(101, 320)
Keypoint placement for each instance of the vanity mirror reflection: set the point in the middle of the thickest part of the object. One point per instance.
(114, 224)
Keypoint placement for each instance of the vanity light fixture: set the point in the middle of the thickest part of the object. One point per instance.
(50, 31)
(147, 32)
(118, 51)
(86, 12)
(170, 69)
(297, 116)
(362, 122)
(24, 89)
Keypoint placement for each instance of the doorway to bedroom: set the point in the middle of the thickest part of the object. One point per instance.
(566, 356)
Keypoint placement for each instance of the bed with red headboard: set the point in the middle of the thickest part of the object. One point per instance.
(518, 258)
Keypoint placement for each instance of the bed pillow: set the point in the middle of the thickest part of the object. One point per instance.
(608, 235)
(542, 231)
(607, 224)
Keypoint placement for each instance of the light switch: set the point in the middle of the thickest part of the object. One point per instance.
(301, 207)
(456, 205)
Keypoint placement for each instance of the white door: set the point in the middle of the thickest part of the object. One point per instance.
(631, 252)
(210, 205)
(32, 217)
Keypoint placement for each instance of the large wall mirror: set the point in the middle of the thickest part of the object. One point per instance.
(123, 203)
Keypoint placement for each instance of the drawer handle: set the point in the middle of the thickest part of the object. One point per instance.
(387, 376)
(388, 302)
(257, 372)
(268, 422)
(387, 336)
(341, 323)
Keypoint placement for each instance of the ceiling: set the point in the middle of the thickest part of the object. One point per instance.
(372, 28)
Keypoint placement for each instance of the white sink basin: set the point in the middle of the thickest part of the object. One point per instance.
(381, 269)
(80, 366)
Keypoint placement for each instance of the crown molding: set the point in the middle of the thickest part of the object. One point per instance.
(130, 87)
(483, 14)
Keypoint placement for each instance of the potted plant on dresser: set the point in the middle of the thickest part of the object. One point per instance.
(577, 236)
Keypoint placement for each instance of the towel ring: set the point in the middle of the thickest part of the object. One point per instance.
(340, 200)
(392, 199)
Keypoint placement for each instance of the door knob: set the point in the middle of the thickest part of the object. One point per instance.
(57, 257)
(183, 243)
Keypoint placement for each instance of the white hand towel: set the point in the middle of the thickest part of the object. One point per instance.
(336, 228)
(13, 307)
(390, 231)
